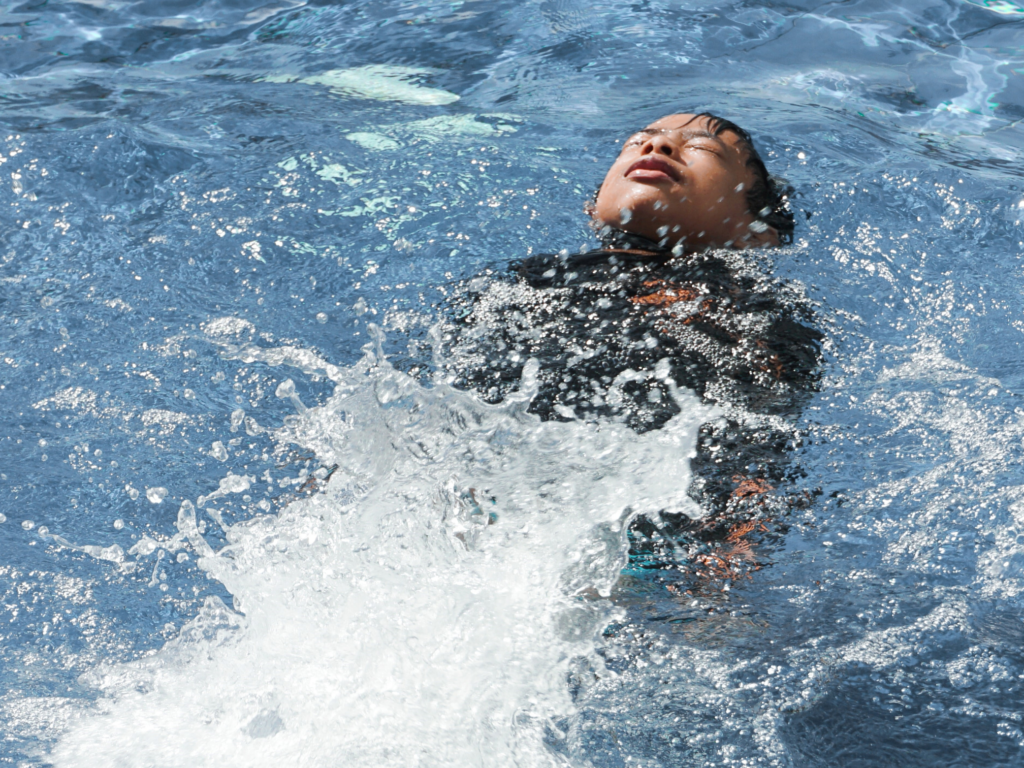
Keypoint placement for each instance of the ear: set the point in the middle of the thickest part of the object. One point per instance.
(760, 236)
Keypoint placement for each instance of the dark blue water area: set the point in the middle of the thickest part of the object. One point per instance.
(177, 177)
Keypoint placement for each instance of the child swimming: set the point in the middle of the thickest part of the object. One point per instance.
(674, 297)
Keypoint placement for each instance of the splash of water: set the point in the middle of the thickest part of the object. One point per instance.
(422, 610)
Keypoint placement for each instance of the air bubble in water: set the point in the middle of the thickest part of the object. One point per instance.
(156, 495)
(321, 317)
(133, 493)
(218, 451)
(237, 417)
(3, 517)
(43, 530)
(28, 525)
(118, 524)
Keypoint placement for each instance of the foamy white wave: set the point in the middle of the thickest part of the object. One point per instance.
(421, 611)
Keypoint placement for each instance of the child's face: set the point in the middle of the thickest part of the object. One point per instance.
(677, 179)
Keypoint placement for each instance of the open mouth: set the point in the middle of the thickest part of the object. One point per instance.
(652, 169)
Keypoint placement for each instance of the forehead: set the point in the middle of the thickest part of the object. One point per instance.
(691, 123)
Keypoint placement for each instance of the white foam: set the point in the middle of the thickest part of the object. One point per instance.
(421, 611)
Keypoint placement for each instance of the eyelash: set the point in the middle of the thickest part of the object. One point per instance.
(637, 142)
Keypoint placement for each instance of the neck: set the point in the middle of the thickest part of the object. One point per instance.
(617, 240)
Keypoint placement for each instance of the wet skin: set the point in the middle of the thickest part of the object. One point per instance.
(676, 179)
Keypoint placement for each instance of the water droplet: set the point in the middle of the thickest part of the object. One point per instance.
(156, 495)
(28, 525)
(237, 417)
(234, 484)
(43, 530)
(118, 524)
(219, 452)
(182, 557)
(321, 317)
(133, 493)
(625, 215)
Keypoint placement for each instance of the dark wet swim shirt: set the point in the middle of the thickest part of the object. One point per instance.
(613, 327)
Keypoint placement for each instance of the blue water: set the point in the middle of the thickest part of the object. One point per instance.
(204, 202)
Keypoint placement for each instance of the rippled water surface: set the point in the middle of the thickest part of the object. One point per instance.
(242, 524)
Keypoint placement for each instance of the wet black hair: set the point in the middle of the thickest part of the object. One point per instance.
(767, 199)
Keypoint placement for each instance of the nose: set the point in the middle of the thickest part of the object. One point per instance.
(658, 144)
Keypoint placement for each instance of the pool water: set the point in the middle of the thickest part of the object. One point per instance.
(245, 523)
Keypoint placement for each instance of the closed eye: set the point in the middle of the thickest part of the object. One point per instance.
(705, 146)
(636, 138)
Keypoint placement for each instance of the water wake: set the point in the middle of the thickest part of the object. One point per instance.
(422, 610)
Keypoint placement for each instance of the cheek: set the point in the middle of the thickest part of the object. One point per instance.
(613, 194)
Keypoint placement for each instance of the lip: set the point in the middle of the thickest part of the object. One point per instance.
(652, 169)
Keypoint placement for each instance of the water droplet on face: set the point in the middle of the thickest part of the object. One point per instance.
(156, 495)
(118, 524)
(625, 215)
(662, 231)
